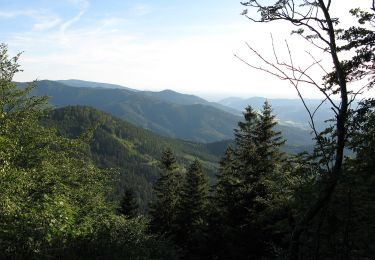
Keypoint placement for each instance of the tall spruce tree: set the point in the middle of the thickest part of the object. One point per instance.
(226, 212)
(128, 204)
(192, 212)
(268, 162)
(228, 183)
(245, 140)
(253, 171)
(163, 209)
(268, 140)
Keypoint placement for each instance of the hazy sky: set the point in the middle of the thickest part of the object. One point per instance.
(185, 45)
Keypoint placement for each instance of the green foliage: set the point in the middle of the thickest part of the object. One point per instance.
(133, 152)
(117, 237)
(163, 209)
(192, 210)
(228, 184)
(53, 198)
(248, 188)
(359, 40)
(128, 204)
(50, 191)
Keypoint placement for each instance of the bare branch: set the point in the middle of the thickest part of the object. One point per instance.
(273, 48)
(354, 95)
(317, 62)
(317, 108)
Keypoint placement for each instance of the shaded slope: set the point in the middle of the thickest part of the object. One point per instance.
(133, 151)
(185, 99)
(191, 122)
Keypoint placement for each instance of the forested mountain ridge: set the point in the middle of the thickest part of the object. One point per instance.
(135, 152)
(196, 122)
(190, 122)
(132, 151)
(165, 95)
(186, 99)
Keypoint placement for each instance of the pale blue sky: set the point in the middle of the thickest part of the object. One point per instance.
(186, 45)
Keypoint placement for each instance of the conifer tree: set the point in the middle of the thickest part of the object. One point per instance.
(268, 140)
(252, 170)
(269, 156)
(245, 139)
(228, 182)
(163, 209)
(192, 211)
(128, 204)
(226, 212)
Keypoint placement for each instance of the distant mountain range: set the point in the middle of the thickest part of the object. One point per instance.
(195, 122)
(168, 113)
(91, 84)
(165, 95)
(288, 111)
(185, 99)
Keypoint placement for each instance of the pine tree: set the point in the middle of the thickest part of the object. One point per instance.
(246, 185)
(128, 204)
(226, 212)
(168, 160)
(247, 161)
(245, 139)
(163, 209)
(228, 182)
(192, 211)
(268, 140)
(269, 156)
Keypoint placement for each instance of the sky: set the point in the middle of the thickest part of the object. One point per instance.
(184, 45)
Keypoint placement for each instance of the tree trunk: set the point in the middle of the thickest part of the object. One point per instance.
(326, 194)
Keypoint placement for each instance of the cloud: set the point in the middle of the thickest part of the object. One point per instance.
(43, 20)
(75, 19)
(80, 3)
(63, 39)
(8, 14)
(142, 9)
(13, 14)
(47, 23)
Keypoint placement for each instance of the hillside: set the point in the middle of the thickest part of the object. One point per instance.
(190, 122)
(186, 99)
(195, 122)
(133, 151)
(165, 95)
